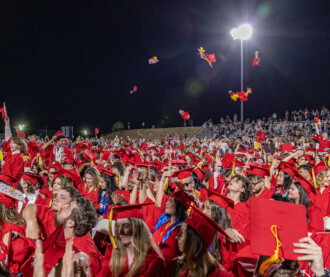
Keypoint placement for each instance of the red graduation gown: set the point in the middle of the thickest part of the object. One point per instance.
(265, 194)
(315, 219)
(93, 195)
(169, 248)
(322, 201)
(153, 265)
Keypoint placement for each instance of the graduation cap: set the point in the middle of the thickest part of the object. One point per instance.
(126, 211)
(287, 168)
(69, 160)
(183, 174)
(317, 169)
(73, 174)
(219, 199)
(227, 160)
(3, 111)
(184, 198)
(106, 155)
(32, 178)
(205, 226)
(58, 133)
(107, 172)
(286, 147)
(200, 173)
(260, 171)
(274, 229)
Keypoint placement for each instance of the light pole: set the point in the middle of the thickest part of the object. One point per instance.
(243, 32)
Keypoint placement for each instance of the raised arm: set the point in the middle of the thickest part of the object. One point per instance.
(8, 134)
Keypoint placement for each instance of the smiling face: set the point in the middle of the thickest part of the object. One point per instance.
(13, 146)
(124, 230)
(89, 180)
(57, 185)
(103, 184)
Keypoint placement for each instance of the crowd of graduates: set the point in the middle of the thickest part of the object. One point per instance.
(251, 205)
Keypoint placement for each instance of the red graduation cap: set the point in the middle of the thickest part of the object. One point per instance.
(286, 167)
(256, 60)
(221, 200)
(183, 197)
(128, 211)
(69, 160)
(272, 222)
(32, 178)
(200, 173)
(205, 226)
(73, 174)
(260, 171)
(106, 155)
(317, 121)
(107, 172)
(242, 96)
(227, 160)
(134, 89)
(211, 58)
(183, 174)
(286, 147)
(58, 133)
(96, 131)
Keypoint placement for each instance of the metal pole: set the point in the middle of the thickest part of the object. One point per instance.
(242, 80)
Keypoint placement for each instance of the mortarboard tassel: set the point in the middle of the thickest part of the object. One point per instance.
(1, 156)
(165, 187)
(233, 171)
(190, 208)
(273, 259)
(110, 230)
(314, 181)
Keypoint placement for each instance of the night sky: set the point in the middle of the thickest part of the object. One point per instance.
(74, 62)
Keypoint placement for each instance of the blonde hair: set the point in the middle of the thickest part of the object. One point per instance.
(65, 181)
(10, 216)
(95, 178)
(141, 240)
(320, 178)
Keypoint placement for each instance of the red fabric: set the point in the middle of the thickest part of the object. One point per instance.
(151, 214)
(33, 149)
(93, 195)
(87, 245)
(152, 266)
(39, 201)
(322, 201)
(18, 246)
(315, 223)
(169, 248)
(45, 217)
(265, 194)
(14, 167)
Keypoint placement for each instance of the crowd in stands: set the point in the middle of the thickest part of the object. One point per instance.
(249, 203)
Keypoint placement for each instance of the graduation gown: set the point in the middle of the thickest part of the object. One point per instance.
(265, 194)
(153, 265)
(92, 195)
(315, 223)
(322, 200)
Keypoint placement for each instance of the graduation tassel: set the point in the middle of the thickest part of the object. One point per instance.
(165, 187)
(190, 208)
(314, 181)
(110, 230)
(233, 171)
(273, 259)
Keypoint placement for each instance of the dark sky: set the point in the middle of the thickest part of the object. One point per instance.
(74, 62)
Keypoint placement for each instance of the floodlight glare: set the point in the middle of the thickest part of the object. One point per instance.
(243, 32)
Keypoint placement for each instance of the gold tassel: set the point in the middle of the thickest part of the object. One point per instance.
(110, 230)
(314, 181)
(233, 171)
(273, 259)
(165, 187)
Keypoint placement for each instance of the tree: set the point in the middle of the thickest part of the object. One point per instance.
(117, 126)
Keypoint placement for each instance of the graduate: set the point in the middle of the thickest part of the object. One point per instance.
(133, 251)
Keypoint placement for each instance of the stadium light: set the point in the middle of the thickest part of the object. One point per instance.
(242, 32)
(21, 127)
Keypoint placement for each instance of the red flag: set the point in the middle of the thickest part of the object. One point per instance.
(3, 111)
(261, 136)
